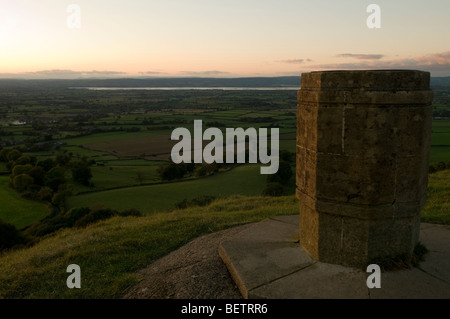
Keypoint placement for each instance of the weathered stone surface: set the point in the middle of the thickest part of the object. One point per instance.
(363, 144)
(388, 80)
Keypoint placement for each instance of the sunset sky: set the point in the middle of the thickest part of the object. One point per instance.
(219, 38)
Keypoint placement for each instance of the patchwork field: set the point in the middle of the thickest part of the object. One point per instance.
(242, 180)
(155, 146)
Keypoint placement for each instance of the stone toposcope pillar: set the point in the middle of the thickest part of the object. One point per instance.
(363, 140)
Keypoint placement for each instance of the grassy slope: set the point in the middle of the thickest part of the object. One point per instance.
(437, 209)
(242, 180)
(110, 252)
(16, 210)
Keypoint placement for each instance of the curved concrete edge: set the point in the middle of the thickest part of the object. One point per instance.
(233, 272)
(267, 262)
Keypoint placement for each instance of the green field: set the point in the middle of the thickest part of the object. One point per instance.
(242, 180)
(107, 177)
(440, 142)
(104, 137)
(16, 210)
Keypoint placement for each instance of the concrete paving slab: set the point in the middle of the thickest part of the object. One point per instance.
(266, 261)
(292, 219)
(437, 264)
(263, 253)
(435, 237)
(410, 284)
(319, 281)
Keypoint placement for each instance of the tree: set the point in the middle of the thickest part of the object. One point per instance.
(59, 198)
(23, 160)
(45, 193)
(273, 189)
(284, 172)
(62, 159)
(38, 175)
(13, 155)
(171, 171)
(21, 169)
(47, 164)
(54, 178)
(81, 173)
(22, 182)
(3, 155)
(139, 177)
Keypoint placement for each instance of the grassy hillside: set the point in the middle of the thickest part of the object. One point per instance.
(242, 180)
(437, 209)
(16, 210)
(110, 252)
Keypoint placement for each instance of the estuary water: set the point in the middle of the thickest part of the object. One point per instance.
(283, 88)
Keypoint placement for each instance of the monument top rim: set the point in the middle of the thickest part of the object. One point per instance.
(371, 71)
(368, 79)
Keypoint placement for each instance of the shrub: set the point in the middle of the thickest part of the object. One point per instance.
(197, 201)
(54, 178)
(171, 171)
(130, 212)
(45, 193)
(9, 236)
(47, 164)
(22, 182)
(21, 169)
(75, 214)
(95, 216)
(273, 189)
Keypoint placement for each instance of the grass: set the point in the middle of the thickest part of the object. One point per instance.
(16, 210)
(3, 169)
(437, 208)
(242, 180)
(110, 252)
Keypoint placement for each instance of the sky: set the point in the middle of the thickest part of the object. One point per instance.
(219, 38)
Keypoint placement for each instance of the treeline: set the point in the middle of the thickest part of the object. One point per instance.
(45, 180)
(280, 183)
(277, 184)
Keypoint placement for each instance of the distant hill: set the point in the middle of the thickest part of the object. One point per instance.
(441, 82)
(249, 82)
(256, 82)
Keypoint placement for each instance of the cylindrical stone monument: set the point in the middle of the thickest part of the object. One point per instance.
(363, 140)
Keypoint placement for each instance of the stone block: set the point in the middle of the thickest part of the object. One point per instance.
(363, 144)
(348, 179)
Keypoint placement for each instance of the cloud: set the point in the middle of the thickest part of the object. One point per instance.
(361, 56)
(437, 63)
(204, 73)
(295, 61)
(61, 74)
(151, 73)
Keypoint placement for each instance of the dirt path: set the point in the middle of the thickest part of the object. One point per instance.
(195, 271)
